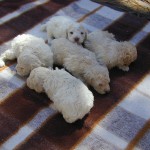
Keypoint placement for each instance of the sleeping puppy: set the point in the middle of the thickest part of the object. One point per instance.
(81, 63)
(63, 26)
(30, 51)
(69, 95)
(109, 51)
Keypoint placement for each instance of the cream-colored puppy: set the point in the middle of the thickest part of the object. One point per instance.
(81, 63)
(69, 95)
(30, 51)
(110, 51)
(63, 26)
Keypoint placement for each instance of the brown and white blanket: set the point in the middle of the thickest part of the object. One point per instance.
(118, 120)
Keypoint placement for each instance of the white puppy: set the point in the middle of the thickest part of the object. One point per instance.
(69, 95)
(30, 51)
(81, 63)
(110, 51)
(63, 26)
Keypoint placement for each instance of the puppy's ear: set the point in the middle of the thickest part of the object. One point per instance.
(86, 33)
(66, 34)
(85, 38)
(67, 31)
(127, 58)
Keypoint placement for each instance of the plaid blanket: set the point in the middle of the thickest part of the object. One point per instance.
(118, 120)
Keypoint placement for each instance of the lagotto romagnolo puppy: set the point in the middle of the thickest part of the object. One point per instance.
(63, 26)
(110, 51)
(30, 51)
(81, 63)
(69, 95)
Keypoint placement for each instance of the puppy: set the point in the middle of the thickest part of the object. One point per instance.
(30, 51)
(109, 51)
(63, 26)
(81, 63)
(69, 95)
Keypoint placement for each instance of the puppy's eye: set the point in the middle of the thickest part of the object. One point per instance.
(71, 32)
(82, 33)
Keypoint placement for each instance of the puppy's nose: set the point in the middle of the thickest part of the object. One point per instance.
(76, 39)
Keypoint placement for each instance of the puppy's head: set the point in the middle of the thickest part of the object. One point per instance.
(101, 85)
(26, 63)
(37, 77)
(129, 54)
(76, 33)
(101, 80)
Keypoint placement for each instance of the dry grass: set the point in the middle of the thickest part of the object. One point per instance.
(138, 7)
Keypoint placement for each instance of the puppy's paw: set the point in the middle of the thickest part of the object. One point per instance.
(2, 63)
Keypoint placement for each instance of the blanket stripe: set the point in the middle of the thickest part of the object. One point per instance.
(9, 7)
(21, 10)
(40, 118)
(112, 124)
(15, 26)
(126, 27)
(88, 14)
(14, 110)
(139, 135)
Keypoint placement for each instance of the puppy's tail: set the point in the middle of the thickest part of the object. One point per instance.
(43, 27)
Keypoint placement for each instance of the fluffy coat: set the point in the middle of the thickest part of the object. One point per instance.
(110, 51)
(81, 63)
(63, 26)
(69, 95)
(30, 51)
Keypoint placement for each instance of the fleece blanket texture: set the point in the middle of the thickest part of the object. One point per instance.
(119, 120)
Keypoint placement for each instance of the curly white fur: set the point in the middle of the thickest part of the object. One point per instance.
(63, 26)
(30, 51)
(69, 95)
(81, 63)
(110, 51)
